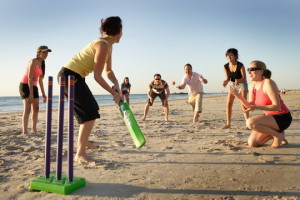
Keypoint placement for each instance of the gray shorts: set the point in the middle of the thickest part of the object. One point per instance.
(243, 85)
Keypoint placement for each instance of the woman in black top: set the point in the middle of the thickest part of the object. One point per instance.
(236, 74)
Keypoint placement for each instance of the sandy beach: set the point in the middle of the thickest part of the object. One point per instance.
(181, 159)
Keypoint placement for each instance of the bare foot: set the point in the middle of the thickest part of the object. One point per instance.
(83, 158)
(226, 127)
(195, 119)
(277, 141)
(143, 119)
(25, 133)
(91, 146)
(284, 142)
(247, 128)
(166, 120)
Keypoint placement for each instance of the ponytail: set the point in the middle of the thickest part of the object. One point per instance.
(267, 73)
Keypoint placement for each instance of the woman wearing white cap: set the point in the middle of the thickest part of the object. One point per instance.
(28, 89)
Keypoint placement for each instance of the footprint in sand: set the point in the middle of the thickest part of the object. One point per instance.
(265, 159)
(119, 143)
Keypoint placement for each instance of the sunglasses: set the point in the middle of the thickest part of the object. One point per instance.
(157, 79)
(251, 69)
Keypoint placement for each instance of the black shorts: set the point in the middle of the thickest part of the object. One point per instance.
(85, 105)
(162, 97)
(24, 91)
(283, 121)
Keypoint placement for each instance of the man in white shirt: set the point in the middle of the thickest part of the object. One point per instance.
(194, 82)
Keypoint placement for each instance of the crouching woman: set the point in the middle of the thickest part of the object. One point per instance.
(264, 95)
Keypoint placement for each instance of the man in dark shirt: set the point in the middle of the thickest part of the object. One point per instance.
(158, 87)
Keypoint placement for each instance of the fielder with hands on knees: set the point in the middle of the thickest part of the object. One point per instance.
(264, 95)
(95, 58)
(158, 87)
(28, 89)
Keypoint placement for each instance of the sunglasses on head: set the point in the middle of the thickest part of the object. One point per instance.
(253, 69)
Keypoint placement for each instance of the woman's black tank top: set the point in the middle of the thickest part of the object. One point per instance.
(236, 74)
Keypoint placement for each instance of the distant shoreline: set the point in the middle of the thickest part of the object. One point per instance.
(14, 104)
(178, 93)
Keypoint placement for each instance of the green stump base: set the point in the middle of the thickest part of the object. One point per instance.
(62, 186)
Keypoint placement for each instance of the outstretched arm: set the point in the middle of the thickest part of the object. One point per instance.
(181, 86)
(234, 91)
(202, 79)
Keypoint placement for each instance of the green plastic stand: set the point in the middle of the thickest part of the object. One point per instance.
(62, 186)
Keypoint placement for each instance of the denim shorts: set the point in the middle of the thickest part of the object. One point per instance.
(243, 85)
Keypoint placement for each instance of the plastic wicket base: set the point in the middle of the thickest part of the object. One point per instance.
(53, 185)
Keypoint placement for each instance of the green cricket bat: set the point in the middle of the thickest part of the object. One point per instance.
(133, 127)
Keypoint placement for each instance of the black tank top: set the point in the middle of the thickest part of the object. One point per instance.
(237, 74)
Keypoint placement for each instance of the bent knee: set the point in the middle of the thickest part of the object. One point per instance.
(252, 143)
(250, 123)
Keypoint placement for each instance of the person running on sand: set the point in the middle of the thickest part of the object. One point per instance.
(125, 88)
(194, 82)
(28, 89)
(236, 74)
(95, 58)
(264, 95)
(158, 87)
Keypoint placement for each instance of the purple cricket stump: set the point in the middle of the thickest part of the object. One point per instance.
(71, 96)
(60, 128)
(48, 127)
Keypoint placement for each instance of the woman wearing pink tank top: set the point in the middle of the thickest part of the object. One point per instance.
(28, 89)
(264, 95)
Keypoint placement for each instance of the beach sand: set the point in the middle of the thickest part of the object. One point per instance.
(181, 159)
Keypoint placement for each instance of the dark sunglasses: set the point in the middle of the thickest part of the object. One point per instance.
(251, 69)
(157, 79)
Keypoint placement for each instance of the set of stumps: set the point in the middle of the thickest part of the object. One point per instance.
(56, 182)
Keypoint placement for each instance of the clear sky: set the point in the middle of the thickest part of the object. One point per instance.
(159, 36)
